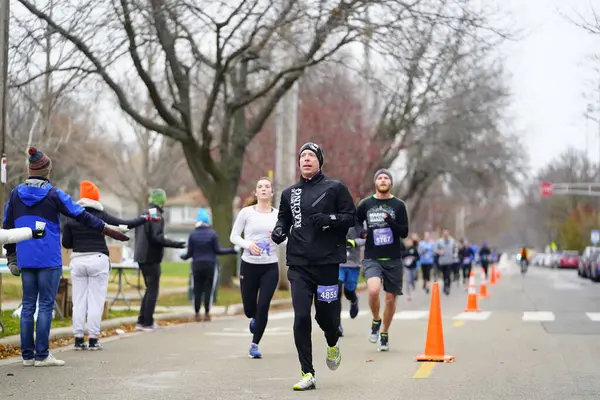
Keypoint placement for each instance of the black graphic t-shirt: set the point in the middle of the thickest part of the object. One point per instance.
(386, 223)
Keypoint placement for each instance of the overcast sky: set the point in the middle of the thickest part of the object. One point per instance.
(551, 75)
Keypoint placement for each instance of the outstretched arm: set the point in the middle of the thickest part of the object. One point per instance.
(15, 235)
(221, 251)
(157, 236)
(131, 223)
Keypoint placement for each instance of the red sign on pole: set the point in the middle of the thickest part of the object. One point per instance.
(546, 188)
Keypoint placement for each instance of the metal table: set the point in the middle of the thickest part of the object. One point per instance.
(120, 275)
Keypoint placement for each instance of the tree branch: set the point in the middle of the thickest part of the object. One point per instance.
(167, 130)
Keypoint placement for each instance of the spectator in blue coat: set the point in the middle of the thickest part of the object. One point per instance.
(36, 204)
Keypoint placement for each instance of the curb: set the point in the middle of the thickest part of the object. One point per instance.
(231, 310)
(59, 333)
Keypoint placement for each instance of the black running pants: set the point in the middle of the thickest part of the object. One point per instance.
(306, 282)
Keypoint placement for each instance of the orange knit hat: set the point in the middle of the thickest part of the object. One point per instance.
(88, 190)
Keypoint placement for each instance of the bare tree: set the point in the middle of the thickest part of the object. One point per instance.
(444, 108)
(223, 67)
(45, 110)
(132, 168)
(74, 148)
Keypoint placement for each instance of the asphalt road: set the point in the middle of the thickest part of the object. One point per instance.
(537, 337)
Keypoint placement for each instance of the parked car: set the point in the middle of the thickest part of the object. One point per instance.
(593, 271)
(569, 259)
(585, 261)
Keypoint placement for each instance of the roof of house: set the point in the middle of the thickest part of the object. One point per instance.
(193, 198)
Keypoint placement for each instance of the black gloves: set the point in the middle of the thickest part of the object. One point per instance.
(277, 235)
(11, 261)
(321, 220)
(181, 245)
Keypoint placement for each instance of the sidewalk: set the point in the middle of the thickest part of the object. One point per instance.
(163, 314)
(131, 295)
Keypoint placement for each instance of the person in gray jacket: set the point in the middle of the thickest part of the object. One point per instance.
(446, 250)
(350, 272)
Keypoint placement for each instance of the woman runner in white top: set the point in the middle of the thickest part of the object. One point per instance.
(259, 272)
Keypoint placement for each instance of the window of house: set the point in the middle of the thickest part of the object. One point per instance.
(190, 214)
(176, 215)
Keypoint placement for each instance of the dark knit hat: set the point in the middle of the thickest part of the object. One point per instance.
(315, 149)
(39, 163)
(386, 172)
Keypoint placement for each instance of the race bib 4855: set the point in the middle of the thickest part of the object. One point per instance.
(327, 294)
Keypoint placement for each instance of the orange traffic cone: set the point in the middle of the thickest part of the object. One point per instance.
(434, 344)
(472, 296)
(483, 286)
(497, 273)
(493, 275)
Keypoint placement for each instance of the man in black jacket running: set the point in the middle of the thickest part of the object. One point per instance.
(315, 214)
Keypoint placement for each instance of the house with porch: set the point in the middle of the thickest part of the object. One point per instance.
(180, 217)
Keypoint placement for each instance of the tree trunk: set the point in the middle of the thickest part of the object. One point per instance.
(221, 204)
(220, 195)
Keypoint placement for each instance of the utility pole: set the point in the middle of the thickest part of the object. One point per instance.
(286, 138)
(369, 110)
(5, 17)
(286, 131)
(459, 224)
(598, 121)
(589, 111)
(4, 20)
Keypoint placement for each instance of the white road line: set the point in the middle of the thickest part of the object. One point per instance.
(290, 315)
(247, 334)
(411, 314)
(274, 329)
(281, 315)
(473, 316)
(538, 316)
(594, 316)
(346, 315)
(566, 286)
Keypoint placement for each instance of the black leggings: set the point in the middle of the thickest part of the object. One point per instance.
(466, 271)
(456, 272)
(426, 271)
(204, 284)
(446, 271)
(258, 283)
(485, 265)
